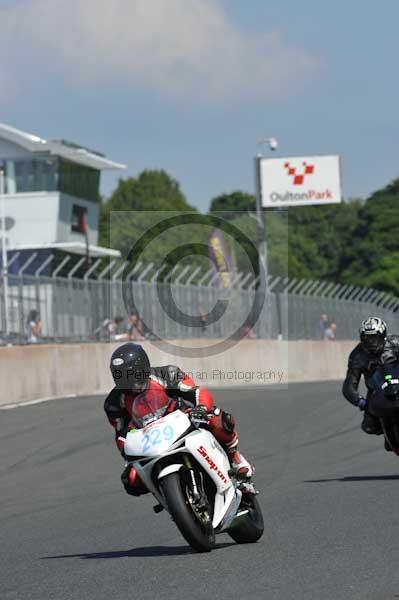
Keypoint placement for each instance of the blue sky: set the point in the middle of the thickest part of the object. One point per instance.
(191, 85)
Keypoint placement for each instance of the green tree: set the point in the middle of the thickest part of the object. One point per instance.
(374, 250)
(129, 213)
(320, 239)
(227, 205)
(150, 191)
(304, 242)
(276, 227)
(354, 242)
(386, 277)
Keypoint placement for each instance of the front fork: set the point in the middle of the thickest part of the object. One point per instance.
(194, 487)
(200, 503)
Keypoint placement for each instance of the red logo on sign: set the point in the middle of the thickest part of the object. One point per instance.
(299, 178)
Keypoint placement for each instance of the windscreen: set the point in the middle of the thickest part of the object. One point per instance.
(150, 406)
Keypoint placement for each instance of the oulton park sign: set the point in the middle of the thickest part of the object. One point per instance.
(300, 181)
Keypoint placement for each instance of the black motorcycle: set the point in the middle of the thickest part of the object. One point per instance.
(384, 404)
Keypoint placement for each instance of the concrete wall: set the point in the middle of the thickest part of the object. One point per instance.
(34, 372)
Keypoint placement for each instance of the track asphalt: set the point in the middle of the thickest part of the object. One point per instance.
(329, 494)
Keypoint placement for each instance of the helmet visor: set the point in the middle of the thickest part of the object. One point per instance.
(131, 379)
(373, 343)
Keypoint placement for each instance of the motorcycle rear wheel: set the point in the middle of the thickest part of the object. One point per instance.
(201, 539)
(248, 528)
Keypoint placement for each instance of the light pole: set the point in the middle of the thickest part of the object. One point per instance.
(4, 253)
(262, 243)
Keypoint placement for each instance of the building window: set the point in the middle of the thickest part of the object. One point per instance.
(51, 174)
(39, 175)
(79, 219)
(78, 180)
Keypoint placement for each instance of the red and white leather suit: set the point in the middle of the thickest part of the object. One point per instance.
(170, 380)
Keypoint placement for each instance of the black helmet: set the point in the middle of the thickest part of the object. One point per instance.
(130, 367)
(373, 333)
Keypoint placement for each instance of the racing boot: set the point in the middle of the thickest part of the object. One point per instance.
(371, 425)
(239, 463)
(243, 472)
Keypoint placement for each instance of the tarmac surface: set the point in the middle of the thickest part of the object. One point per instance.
(329, 495)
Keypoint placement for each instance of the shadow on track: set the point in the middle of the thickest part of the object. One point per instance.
(357, 478)
(137, 552)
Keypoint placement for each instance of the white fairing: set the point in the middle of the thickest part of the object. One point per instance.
(209, 453)
(211, 456)
(157, 437)
(169, 469)
(165, 437)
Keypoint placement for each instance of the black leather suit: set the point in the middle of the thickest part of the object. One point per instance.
(363, 363)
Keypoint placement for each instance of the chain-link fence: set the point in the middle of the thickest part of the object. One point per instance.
(97, 308)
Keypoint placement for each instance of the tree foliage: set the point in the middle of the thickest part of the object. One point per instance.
(150, 191)
(375, 247)
(140, 204)
(354, 242)
(227, 205)
(319, 238)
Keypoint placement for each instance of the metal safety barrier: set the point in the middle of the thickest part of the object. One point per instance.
(188, 302)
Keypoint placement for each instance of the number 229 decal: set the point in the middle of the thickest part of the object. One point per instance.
(156, 436)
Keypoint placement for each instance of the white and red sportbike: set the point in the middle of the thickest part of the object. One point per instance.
(190, 475)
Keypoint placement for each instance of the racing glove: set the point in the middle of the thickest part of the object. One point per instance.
(362, 404)
(199, 416)
(121, 429)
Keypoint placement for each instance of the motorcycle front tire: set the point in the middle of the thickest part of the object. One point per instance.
(174, 490)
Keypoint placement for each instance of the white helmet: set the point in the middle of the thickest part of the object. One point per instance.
(373, 333)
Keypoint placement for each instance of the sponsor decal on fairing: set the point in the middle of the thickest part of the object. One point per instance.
(211, 463)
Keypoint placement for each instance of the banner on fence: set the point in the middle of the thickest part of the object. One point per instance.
(220, 257)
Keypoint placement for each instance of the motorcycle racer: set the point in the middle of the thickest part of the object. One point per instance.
(375, 349)
(134, 376)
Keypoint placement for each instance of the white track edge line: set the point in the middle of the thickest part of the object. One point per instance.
(37, 401)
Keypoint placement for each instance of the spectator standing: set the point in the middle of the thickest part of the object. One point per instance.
(34, 327)
(330, 332)
(135, 327)
(111, 330)
(118, 332)
(323, 324)
(203, 321)
(103, 332)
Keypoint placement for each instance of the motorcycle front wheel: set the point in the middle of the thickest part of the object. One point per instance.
(200, 535)
(391, 433)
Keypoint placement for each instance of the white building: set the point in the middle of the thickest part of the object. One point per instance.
(52, 196)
